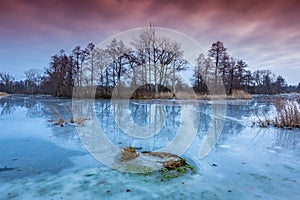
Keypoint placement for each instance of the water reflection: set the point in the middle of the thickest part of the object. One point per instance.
(35, 105)
(139, 113)
(238, 115)
(8, 106)
(287, 139)
(41, 107)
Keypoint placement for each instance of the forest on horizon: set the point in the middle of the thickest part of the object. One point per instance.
(152, 63)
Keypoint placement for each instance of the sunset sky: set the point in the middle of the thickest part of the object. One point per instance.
(264, 33)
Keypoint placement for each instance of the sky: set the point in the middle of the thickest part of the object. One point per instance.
(263, 33)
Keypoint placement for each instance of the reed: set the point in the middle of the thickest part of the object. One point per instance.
(3, 94)
(287, 113)
(239, 94)
(61, 120)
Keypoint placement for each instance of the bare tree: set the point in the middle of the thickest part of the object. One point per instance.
(241, 73)
(280, 84)
(216, 53)
(160, 58)
(33, 80)
(79, 56)
(7, 79)
(117, 52)
(263, 81)
(201, 74)
(231, 74)
(89, 65)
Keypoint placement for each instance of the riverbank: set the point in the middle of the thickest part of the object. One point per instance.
(3, 94)
(42, 161)
(237, 94)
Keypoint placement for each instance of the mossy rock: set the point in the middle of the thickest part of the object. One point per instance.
(167, 164)
(128, 153)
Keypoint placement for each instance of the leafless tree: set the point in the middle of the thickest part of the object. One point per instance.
(7, 79)
(33, 80)
(160, 58)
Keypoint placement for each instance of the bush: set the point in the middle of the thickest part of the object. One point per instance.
(240, 94)
(287, 113)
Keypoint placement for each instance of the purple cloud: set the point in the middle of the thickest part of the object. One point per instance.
(264, 33)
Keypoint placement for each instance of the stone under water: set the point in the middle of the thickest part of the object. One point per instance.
(145, 162)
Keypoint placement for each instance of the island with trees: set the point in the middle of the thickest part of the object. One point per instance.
(151, 62)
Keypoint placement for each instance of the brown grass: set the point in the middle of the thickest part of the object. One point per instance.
(287, 113)
(61, 119)
(262, 122)
(239, 94)
(80, 120)
(236, 94)
(210, 97)
(59, 122)
(184, 95)
(128, 153)
(161, 154)
(174, 164)
(164, 95)
(151, 95)
(3, 94)
(180, 96)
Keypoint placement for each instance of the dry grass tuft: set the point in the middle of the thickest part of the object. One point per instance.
(80, 120)
(211, 97)
(239, 94)
(287, 113)
(185, 95)
(174, 164)
(236, 94)
(3, 94)
(164, 95)
(61, 120)
(161, 154)
(128, 153)
(262, 122)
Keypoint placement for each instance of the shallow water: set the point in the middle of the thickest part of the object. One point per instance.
(42, 161)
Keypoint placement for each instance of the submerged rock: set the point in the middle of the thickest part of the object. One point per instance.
(174, 164)
(146, 162)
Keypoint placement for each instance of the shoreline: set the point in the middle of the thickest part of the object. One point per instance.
(3, 95)
(198, 97)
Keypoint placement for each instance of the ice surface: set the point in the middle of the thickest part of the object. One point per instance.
(39, 160)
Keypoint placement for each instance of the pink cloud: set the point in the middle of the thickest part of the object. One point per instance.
(242, 25)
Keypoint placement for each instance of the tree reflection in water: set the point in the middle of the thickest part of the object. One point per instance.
(287, 139)
(237, 119)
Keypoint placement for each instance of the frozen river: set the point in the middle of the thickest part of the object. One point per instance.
(233, 158)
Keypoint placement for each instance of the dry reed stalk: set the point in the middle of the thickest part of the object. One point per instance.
(3, 94)
(288, 114)
(239, 94)
(60, 120)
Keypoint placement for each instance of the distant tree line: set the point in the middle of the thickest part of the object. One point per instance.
(152, 62)
(235, 74)
(31, 84)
